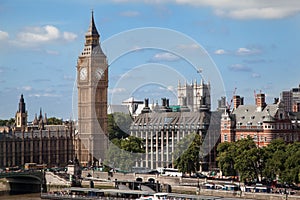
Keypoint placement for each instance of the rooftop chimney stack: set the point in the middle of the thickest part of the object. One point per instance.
(260, 101)
(237, 100)
(146, 109)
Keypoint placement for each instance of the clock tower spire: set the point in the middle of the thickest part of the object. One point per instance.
(92, 84)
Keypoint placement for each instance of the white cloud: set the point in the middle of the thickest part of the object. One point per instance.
(33, 36)
(39, 34)
(51, 52)
(166, 56)
(3, 35)
(137, 48)
(27, 88)
(220, 52)
(188, 46)
(172, 88)
(44, 95)
(250, 9)
(68, 78)
(245, 51)
(69, 36)
(116, 90)
(130, 13)
(239, 67)
(256, 75)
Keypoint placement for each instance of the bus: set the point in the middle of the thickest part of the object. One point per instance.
(34, 166)
(169, 172)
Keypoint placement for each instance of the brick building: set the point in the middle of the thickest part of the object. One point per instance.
(263, 122)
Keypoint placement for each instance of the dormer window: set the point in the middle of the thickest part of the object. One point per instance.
(281, 116)
(259, 123)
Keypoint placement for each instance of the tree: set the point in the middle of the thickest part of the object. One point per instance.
(7, 122)
(226, 152)
(247, 159)
(291, 173)
(188, 161)
(123, 153)
(54, 121)
(118, 125)
(275, 154)
(243, 158)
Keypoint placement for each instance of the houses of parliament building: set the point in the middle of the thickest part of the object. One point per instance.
(35, 143)
(55, 145)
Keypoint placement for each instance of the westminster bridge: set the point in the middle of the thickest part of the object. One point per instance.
(22, 181)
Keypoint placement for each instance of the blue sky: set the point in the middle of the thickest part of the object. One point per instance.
(252, 44)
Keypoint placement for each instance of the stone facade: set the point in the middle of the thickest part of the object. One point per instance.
(92, 84)
(190, 95)
(36, 143)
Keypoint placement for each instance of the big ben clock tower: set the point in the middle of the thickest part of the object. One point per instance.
(92, 83)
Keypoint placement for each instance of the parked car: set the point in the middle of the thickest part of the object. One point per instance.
(198, 175)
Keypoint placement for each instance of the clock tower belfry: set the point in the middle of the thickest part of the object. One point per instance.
(92, 84)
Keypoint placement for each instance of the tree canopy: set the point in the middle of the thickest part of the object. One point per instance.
(187, 154)
(118, 125)
(7, 122)
(54, 121)
(275, 161)
(123, 153)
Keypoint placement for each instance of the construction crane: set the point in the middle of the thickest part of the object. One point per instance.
(231, 100)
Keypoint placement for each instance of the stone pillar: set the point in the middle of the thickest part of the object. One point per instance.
(41, 147)
(66, 152)
(173, 139)
(31, 147)
(4, 151)
(151, 150)
(156, 149)
(147, 150)
(57, 152)
(167, 146)
(49, 148)
(13, 148)
(162, 147)
(22, 149)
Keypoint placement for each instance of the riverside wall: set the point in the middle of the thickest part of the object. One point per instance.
(188, 185)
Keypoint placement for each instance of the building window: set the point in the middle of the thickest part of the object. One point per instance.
(255, 138)
(242, 137)
(225, 137)
(280, 115)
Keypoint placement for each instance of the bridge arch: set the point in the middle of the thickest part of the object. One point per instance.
(140, 179)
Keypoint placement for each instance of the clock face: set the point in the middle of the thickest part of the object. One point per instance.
(83, 74)
(99, 73)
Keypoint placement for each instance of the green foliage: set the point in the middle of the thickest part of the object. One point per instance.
(118, 125)
(7, 122)
(55, 121)
(277, 160)
(226, 158)
(188, 161)
(123, 153)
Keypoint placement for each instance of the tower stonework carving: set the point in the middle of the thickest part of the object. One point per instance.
(92, 84)
(21, 116)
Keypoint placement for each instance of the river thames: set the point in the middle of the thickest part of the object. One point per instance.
(34, 196)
